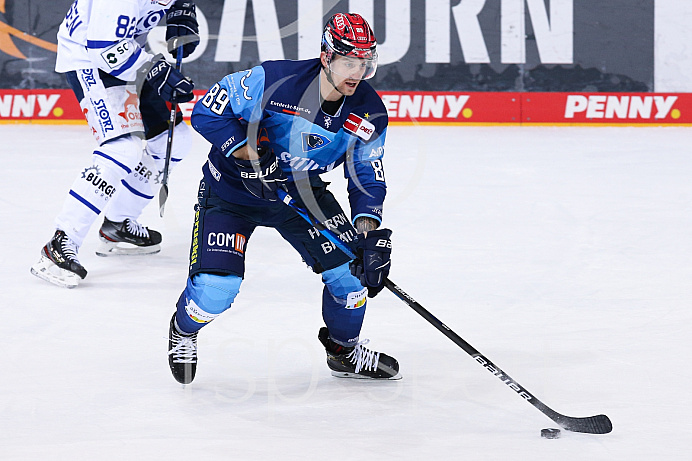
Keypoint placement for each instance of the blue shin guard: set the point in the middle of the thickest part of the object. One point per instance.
(343, 305)
(205, 297)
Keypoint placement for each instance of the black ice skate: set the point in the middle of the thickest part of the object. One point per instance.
(358, 361)
(127, 238)
(59, 264)
(182, 354)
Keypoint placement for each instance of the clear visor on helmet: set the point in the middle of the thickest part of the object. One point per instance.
(354, 68)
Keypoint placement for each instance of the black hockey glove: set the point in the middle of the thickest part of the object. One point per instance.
(167, 81)
(262, 177)
(372, 262)
(181, 23)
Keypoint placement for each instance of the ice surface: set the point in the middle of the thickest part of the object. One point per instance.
(562, 254)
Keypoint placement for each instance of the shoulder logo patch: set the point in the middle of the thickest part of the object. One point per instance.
(359, 126)
(244, 86)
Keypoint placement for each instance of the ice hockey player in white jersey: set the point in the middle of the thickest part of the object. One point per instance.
(124, 92)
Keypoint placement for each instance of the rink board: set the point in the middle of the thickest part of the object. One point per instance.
(429, 107)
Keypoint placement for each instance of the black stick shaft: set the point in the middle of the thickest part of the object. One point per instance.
(599, 424)
(163, 193)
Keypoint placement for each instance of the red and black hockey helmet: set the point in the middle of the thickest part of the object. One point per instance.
(350, 35)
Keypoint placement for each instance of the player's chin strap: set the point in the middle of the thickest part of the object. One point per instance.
(599, 424)
(328, 74)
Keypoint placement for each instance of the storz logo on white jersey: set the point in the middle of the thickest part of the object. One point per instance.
(104, 116)
(88, 77)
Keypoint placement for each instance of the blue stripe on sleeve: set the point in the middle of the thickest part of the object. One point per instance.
(366, 215)
(100, 43)
(129, 63)
(238, 146)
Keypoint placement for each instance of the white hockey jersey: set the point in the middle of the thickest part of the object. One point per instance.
(109, 35)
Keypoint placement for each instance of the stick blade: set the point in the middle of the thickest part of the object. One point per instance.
(163, 196)
(599, 424)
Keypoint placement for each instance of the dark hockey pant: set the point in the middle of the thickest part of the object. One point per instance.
(220, 238)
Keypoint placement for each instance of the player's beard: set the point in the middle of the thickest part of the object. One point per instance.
(345, 86)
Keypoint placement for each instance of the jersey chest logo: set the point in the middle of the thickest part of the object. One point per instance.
(312, 141)
(359, 126)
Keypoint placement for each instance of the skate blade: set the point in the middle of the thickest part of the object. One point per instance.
(46, 270)
(107, 248)
(344, 374)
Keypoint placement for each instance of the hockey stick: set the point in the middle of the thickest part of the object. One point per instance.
(163, 193)
(599, 424)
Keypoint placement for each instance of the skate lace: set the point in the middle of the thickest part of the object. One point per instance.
(69, 248)
(184, 348)
(135, 228)
(364, 358)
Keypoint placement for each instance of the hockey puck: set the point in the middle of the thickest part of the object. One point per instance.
(550, 433)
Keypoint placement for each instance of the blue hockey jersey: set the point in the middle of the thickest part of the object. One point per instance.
(278, 104)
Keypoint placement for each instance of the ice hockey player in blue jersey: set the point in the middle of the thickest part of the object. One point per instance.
(280, 125)
(123, 92)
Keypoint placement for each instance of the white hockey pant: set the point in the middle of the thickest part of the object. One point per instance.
(96, 184)
(142, 184)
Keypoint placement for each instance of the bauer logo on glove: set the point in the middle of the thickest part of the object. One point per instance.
(384, 243)
(258, 173)
(372, 262)
(169, 83)
(182, 28)
(263, 176)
